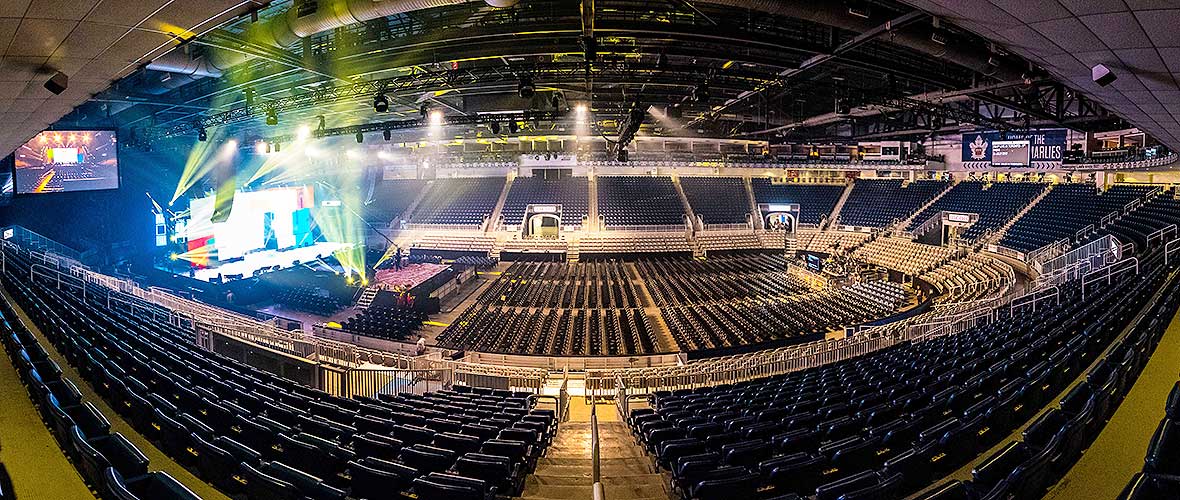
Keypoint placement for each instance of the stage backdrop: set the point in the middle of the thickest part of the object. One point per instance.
(258, 216)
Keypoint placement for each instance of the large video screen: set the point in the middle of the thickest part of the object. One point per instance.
(58, 161)
(1010, 153)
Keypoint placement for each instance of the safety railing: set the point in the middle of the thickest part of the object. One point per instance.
(599, 492)
(1108, 273)
(1100, 252)
(1170, 248)
(1160, 235)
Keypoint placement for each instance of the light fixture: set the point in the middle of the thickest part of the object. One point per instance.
(387, 134)
(422, 110)
(278, 147)
(272, 117)
(525, 88)
(360, 137)
(513, 127)
(380, 103)
(495, 127)
(202, 135)
(322, 125)
(700, 93)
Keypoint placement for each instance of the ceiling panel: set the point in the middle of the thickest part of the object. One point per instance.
(1137, 39)
(94, 42)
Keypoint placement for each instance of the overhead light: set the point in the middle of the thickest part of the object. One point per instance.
(674, 111)
(272, 117)
(513, 127)
(260, 147)
(360, 137)
(622, 155)
(495, 127)
(525, 88)
(304, 132)
(581, 111)
(278, 146)
(422, 110)
(700, 93)
(249, 96)
(386, 134)
(380, 103)
(202, 135)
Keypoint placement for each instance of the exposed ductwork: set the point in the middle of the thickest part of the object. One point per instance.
(296, 23)
(836, 14)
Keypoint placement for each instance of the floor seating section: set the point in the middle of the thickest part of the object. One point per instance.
(639, 201)
(249, 432)
(308, 299)
(386, 322)
(1066, 210)
(816, 201)
(892, 422)
(881, 202)
(108, 462)
(717, 200)
(391, 198)
(741, 300)
(587, 308)
(996, 203)
(903, 255)
(464, 201)
(572, 193)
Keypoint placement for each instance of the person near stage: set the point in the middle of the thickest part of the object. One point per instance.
(421, 345)
(397, 259)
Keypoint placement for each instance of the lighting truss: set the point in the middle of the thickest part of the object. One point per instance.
(433, 79)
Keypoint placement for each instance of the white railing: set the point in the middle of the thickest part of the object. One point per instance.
(1108, 273)
(1101, 251)
(1161, 234)
(666, 228)
(1170, 248)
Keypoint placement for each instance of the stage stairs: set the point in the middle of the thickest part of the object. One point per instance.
(566, 470)
(366, 298)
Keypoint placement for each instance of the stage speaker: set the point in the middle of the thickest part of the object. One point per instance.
(373, 175)
(226, 180)
(1102, 75)
(57, 83)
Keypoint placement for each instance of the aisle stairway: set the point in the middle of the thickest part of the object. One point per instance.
(565, 472)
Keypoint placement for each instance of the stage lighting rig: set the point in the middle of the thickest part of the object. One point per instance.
(525, 87)
(387, 134)
(380, 103)
(360, 137)
(202, 134)
(494, 127)
(513, 127)
(272, 117)
(630, 125)
(700, 93)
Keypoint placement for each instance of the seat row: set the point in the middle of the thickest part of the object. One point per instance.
(249, 432)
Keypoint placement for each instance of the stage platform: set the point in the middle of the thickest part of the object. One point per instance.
(268, 258)
(409, 276)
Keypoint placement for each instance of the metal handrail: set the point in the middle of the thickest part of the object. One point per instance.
(595, 455)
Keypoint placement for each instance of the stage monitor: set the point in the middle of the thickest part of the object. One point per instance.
(59, 161)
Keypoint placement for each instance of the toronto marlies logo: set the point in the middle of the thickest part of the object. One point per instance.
(979, 148)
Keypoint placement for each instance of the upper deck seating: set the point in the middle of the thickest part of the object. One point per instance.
(463, 201)
(391, 198)
(881, 202)
(1065, 211)
(816, 201)
(996, 204)
(717, 200)
(572, 193)
(639, 201)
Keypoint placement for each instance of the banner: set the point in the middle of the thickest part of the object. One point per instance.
(1014, 149)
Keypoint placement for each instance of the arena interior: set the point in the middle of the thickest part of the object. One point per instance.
(599, 250)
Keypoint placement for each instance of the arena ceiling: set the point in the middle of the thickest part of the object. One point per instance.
(787, 70)
(93, 42)
(1137, 39)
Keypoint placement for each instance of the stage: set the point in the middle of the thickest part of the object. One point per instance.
(268, 258)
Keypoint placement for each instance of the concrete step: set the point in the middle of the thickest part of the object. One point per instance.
(630, 488)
